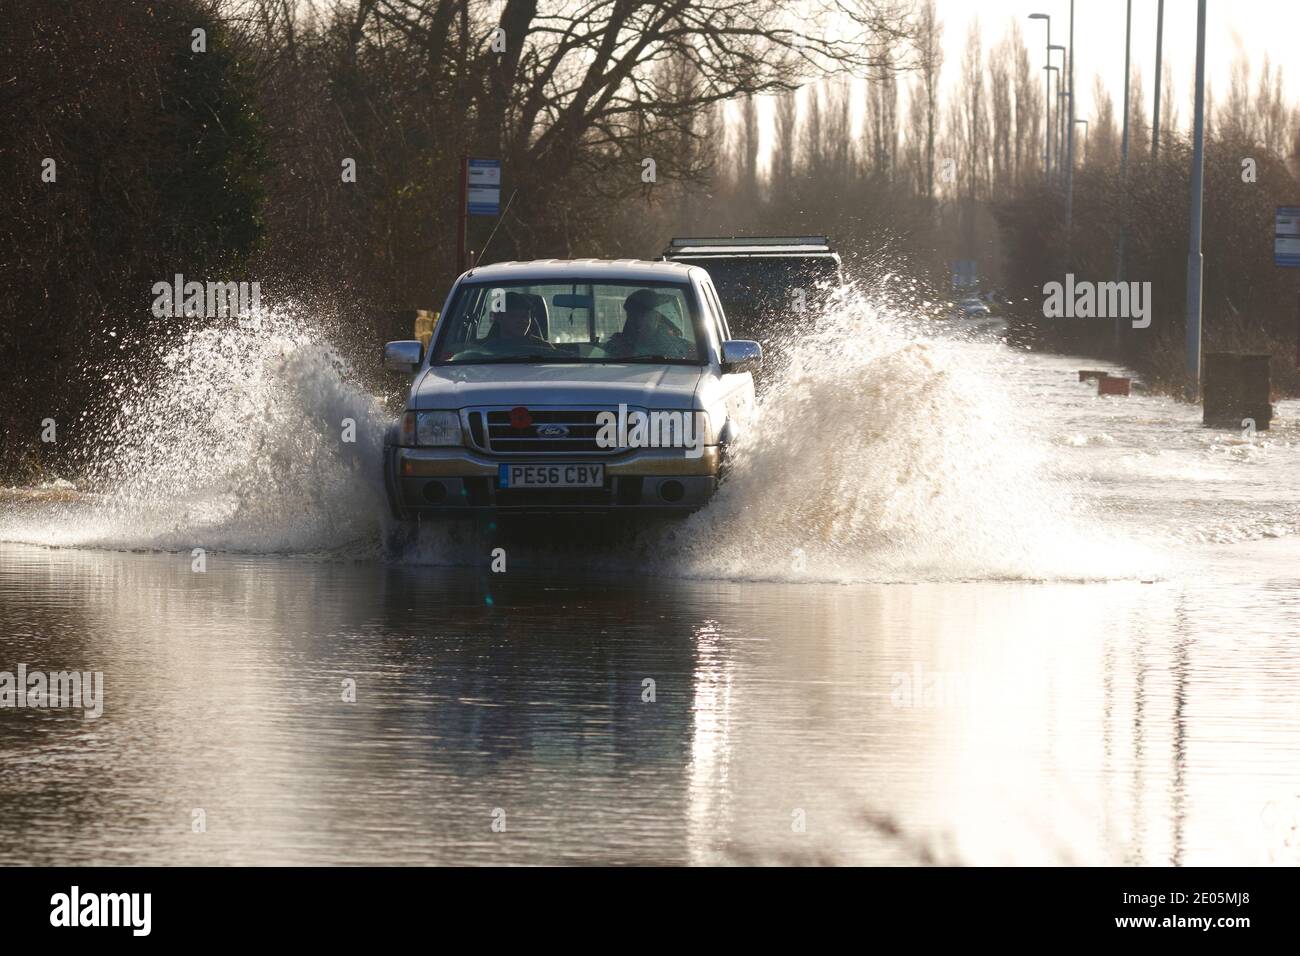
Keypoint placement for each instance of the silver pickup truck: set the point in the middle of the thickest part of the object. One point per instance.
(570, 386)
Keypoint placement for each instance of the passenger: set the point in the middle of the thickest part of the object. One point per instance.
(646, 332)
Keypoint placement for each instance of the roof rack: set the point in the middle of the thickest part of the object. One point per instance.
(679, 242)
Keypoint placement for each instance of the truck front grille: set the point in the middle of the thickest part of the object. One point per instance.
(554, 431)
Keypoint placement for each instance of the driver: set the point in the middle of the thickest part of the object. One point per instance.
(518, 330)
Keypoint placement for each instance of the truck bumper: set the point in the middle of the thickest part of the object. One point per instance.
(450, 481)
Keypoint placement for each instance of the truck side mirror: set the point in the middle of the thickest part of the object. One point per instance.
(741, 355)
(403, 356)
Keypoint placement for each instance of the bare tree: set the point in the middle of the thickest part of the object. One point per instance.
(1272, 109)
(929, 60)
(916, 147)
(974, 114)
(1139, 147)
(748, 133)
(1168, 104)
(785, 147)
(1235, 118)
(882, 122)
(839, 161)
(1002, 118)
(1029, 114)
(1103, 135)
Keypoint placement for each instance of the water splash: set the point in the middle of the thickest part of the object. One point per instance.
(886, 453)
(236, 442)
(880, 453)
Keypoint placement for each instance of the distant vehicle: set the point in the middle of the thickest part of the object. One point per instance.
(973, 314)
(529, 395)
(971, 309)
(761, 279)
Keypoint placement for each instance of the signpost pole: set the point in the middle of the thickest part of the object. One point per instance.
(462, 222)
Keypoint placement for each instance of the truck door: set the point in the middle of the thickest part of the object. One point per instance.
(737, 387)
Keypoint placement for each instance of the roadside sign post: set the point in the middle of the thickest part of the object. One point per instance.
(462, 221)
(480, 195)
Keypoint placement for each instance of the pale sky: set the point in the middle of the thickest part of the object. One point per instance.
(1255, 26)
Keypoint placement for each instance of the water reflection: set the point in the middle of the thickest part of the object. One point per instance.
(987, 723)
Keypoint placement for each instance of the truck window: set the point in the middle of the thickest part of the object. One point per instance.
(724, 332)
(571, 321)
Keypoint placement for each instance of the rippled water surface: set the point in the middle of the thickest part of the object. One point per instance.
(953, 608)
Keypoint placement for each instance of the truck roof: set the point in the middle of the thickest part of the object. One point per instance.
(545, 270)
(705, 246)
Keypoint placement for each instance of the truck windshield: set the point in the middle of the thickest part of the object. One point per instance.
(765, 283)
(573, 321)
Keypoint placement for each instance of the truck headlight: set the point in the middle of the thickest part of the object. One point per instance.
(713, 420)
(702, 428)
(432, 429)
(673, 425)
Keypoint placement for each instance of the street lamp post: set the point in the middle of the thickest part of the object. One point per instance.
(1064, 111)
(1155, 113)
(1069, 149)
(1123, 151)
(1122, 252)
(1047, 103)
(1194, 259)
(1050, 70)
(1058, 131)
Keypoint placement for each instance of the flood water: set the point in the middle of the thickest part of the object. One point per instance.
(952, 609)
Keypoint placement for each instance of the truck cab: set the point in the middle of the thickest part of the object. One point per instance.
(570, 385)
(761, 280)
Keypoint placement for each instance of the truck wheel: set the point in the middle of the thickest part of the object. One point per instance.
(389, 464)
(725, 440)
(400, 533)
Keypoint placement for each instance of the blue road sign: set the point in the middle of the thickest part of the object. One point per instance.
(1286, 237)
(483, 187)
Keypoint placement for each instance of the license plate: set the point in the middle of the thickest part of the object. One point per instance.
(551, 476)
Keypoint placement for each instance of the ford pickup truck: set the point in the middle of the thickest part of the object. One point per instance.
(562, 386)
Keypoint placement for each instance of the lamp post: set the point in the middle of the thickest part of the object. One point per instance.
(1069, 149)
(1058, 131)
(1047, 103)
(1122, 252)
(1155, 113)
(1064, 111)
(1194, 259)
(1123, 150)
(1050, 70)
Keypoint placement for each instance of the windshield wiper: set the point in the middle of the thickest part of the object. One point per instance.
(654, 360)
(507, 359)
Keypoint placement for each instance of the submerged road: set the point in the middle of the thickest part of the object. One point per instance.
(1136, 700)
